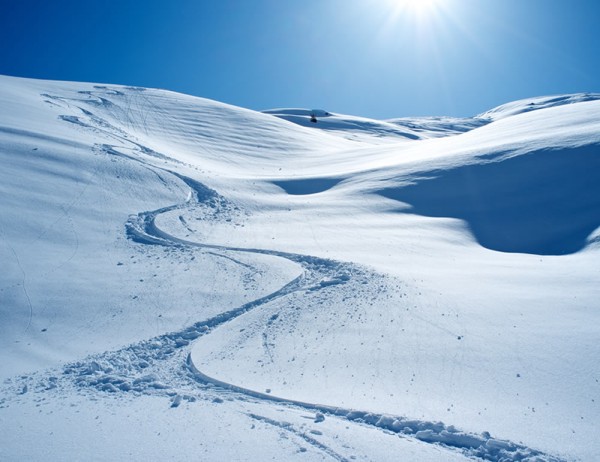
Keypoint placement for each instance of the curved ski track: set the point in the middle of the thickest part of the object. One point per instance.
(320, 273)
(163, 364)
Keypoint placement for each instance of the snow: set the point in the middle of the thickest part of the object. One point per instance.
(359, 129)
(181, 276)
(535, 104)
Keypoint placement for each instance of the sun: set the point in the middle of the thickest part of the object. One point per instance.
(417, 7)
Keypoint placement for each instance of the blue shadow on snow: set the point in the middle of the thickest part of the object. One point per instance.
(544, 203)
(307, 186)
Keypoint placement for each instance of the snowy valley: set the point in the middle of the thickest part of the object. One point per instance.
(188, 280)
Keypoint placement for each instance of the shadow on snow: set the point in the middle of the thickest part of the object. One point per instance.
(543, 203)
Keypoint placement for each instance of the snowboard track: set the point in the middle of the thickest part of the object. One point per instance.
(318, 274)
(163, 365)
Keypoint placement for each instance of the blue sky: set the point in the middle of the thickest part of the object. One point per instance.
(363, 57)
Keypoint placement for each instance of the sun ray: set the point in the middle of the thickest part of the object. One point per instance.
(416, 7)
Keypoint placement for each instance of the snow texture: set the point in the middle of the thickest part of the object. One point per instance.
(184, 278)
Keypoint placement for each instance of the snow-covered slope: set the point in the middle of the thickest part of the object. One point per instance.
(418, 128)
(535, 104)
(436, 127)
(348, 127)
(182, 276)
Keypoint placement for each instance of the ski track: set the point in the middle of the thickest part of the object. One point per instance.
(163, 365)
(288, 427)
(24, 287)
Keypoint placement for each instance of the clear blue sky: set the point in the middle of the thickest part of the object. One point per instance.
(361, 57)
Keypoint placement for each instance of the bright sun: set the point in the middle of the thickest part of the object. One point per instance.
(417, 6)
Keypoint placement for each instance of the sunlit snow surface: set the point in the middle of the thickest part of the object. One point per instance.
(182, 279)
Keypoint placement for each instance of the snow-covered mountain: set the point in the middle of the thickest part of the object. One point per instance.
(185, 279)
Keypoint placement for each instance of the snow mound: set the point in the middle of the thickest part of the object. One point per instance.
(535, 104)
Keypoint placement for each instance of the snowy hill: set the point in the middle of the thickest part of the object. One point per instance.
(348, 127)
(535, 104)
(416, 128)
(182, 276)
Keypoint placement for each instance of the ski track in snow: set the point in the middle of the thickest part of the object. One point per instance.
(288, 427)
(23, 285)
(163, 365)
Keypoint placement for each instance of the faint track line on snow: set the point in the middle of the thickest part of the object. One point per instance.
(288, 427)
(23, 283)
(245, 265)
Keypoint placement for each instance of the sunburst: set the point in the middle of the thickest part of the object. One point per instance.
(417, 7)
